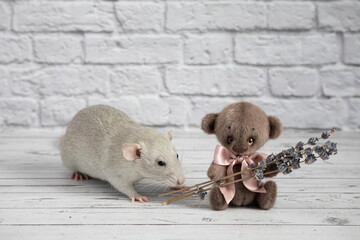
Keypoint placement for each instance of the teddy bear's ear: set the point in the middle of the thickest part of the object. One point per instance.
(275, 127)
(208, 123)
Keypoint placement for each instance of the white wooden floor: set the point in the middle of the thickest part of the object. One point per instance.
(39, 201)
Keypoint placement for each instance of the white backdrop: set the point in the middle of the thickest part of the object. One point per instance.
(168, 63)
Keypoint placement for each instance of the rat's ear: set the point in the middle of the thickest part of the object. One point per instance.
(275, 127)
(208, 123)
(169, 134)
(131, 151)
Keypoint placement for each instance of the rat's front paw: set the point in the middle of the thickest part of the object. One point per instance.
(140, 199)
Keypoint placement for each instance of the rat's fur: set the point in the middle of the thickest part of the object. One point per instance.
(94, 144)
(240, 121)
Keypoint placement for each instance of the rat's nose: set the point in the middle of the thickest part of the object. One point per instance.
(180, 180)
(240, 149)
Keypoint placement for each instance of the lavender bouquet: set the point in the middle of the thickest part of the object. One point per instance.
(286, 161)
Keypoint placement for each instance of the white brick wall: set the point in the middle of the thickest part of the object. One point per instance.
(167, 63)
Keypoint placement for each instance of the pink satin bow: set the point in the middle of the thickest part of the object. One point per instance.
(224, 157)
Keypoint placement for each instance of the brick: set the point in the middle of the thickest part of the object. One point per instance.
(153, 111)
(73, 81)
(207, 49)
(14, 49)
(139, 49)
(285, 50)
(148, 110)
(5, 16)
(215, 16)
(128, 104)
(61, 81)
(352, 48)
(204, 105)
(19, 111)
(307, 113)
(58, 49)
(339, 16)
(293, 113)
(4, 83)
(217, 81)
(179, 109)
(141, 16)
(354, 115)
(60, 111)
(291, 15)
(293, 82)
(63, 16)
(341, 82)
(135, 81)
(24, 81)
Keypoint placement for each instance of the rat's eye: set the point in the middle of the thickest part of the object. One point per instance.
(230, 140)
(161, 163)
(250, 141)
(177, 156)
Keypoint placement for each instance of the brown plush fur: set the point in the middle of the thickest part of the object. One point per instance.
(233, 127)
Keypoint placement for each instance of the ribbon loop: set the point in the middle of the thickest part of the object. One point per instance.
(224, 157)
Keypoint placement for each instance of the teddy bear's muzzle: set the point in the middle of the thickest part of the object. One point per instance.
(240, 149)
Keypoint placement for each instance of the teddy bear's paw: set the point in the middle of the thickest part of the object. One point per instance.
(217, 199)
(267, 200)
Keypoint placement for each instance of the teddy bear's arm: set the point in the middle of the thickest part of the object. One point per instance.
(270, 168)
(215, 171)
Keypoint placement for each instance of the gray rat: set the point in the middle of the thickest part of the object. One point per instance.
(103, 142)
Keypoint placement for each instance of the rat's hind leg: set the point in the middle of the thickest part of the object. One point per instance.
(79, 176)
(267, 200)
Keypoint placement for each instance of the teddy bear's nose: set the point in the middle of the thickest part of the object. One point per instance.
(240, 149)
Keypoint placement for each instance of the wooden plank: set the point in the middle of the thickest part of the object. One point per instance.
(285, 185)
(176, 232)
(297, 200)
(317, 170)
(243, 216)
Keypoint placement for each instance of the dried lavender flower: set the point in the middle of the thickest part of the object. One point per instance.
(220, 182)
(324, 155)
(279, 155)
(270, 158)
(259, 174)
(299, 146)
(310, 159)
(319, 149)
(312, 140)
(262, 164)
(325, 135)
(308, 151)
(253, 165)
(290, 151)
(201, 193)
(284, 168)
(295, 164)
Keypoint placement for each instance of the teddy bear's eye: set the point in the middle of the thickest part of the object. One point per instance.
(230, 140)
(251, 141)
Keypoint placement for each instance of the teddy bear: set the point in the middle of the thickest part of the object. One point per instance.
(241, 128)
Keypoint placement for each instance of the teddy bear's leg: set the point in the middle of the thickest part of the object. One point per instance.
(242, 196)
(217, 199)
(267, 200)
